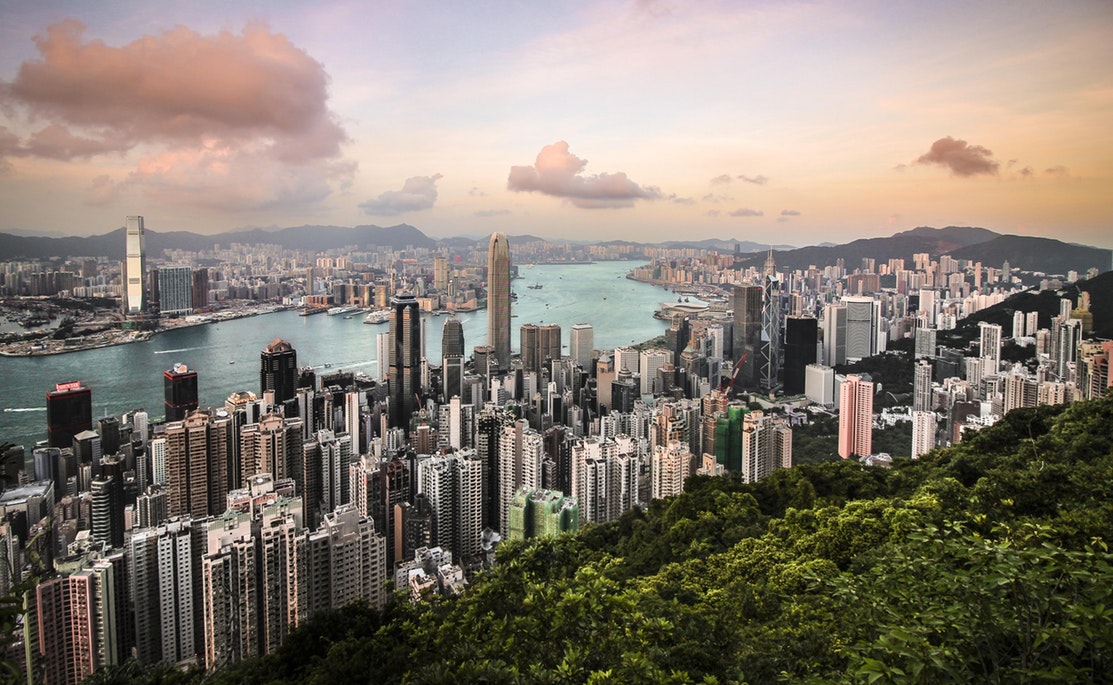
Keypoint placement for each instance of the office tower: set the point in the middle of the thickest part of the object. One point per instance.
(498, 298)
(1066, 335)
(770, 359)
(198, 463)
(582, 345)
(650, 363)
(278, 371)
(669, 468)
(923, 433)
(175, 290)
(404, 359)
(625, 359)
(538, 513)
(108, 504)
(179, 385)
(922, 398)
(108, 427)
(863, 320)
(834, 334)
(452, 337)
(990, 337)
(747, 333)
(855, 417)
(539, 346)
(134, 265)
(200, 292)
(69, 411)
(488, 433)
(440, 274)
(801, 336)
(452, 376)
(66, 633)
(819, 384)
(382, 357)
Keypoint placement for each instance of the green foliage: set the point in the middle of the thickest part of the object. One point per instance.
(984, 562)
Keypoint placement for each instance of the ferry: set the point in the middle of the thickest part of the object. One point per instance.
(377, 316)
(337, 311)
(310, 311)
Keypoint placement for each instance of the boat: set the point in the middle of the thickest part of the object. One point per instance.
(336, 311)
(535, 286)
(377, 316)
(310, 311)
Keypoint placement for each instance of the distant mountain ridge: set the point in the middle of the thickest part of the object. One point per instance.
(961, 242)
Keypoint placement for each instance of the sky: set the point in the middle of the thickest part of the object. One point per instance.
(781, 122)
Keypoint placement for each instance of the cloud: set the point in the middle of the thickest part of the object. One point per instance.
(557, 172)
(418, 193)
(789, 212)
(102, 191)
(682, 200)
(747, 212)
(487, 213)
(721, 179)
(1026, 172)
(758, 180)
(476, 192)
(713, 212)
(960, 157)
(253, 99)
(1058, 170)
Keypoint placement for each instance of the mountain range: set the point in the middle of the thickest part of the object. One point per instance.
(961, 242)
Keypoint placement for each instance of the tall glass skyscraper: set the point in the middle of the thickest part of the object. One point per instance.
(134, 265)
(405, 359)
(498, 298)
(278, 370)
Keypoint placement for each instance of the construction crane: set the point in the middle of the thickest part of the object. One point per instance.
(734, 376)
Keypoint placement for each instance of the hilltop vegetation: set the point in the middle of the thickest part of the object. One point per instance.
(984, 562)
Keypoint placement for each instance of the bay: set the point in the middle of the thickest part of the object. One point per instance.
(226, 354)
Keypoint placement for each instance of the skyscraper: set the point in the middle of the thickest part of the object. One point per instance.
(179, 391)
(405, 359)
(747, 332)
(452, 337)
(538, 345)
(990, 339)
(834, 334)
(69, 411)
(863, 315)
(134, 265)
(801, 335)
(771, 322)
(175, 290)
(582, 344)
(278, 370)
(855, 417)
(498, 298)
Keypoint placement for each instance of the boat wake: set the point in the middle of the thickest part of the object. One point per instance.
(182, 349)
(24, 409)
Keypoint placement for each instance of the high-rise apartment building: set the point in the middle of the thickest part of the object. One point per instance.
(537, 513)
(198, 463)
(990, 349)
(922, 393)
(278, 371)
(855, 417)
(923, 433)
(135, 268)
(405, 359)
(66, 633)
(179, 385)
(498, 298)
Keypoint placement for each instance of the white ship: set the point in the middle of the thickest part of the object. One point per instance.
(336, 311)
(377, 316)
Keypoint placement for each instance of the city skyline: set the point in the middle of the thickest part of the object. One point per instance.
(816, 122)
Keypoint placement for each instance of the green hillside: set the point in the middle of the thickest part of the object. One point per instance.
(986, 562)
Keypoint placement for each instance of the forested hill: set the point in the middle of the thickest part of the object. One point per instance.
(986, 562)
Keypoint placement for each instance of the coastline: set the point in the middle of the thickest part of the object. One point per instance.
(48, 347)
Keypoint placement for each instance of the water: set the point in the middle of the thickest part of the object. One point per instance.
(226, 355)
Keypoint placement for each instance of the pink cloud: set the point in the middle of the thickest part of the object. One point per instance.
(747, 212)
(960, 157)
(758, 180)
(557, 172)
(418, 193)
(253, 96)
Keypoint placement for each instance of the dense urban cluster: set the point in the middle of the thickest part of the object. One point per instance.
(205, 535)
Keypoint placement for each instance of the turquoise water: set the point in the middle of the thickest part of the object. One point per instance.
(226, 355)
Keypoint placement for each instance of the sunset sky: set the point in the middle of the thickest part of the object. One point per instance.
(786, 122)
